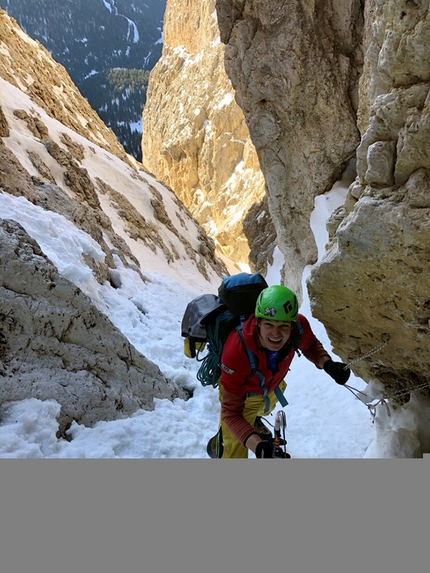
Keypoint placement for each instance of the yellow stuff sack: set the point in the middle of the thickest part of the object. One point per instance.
(191, 352)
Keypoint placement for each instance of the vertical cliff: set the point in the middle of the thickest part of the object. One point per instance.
(295, 68)
(375, 277)
(195, 138)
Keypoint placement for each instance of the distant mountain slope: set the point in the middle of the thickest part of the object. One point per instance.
(90, 38)
(68, 189)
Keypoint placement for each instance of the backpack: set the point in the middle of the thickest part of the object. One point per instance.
(209, 319)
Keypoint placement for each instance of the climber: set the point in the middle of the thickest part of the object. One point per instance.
(269, 339)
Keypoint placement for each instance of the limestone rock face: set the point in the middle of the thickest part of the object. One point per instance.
(54, 344)
(195, 138)
(394, 95)
(260, 232)
(295, 68)
(374, 280)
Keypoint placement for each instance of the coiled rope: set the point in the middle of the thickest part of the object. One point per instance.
(209, 372)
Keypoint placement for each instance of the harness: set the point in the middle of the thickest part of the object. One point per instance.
(297, 333)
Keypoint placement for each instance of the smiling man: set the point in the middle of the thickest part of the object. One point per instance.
(254, 363)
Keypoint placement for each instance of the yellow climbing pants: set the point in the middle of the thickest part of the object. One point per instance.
(227, 445)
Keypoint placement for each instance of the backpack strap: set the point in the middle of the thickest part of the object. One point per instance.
(251, 356)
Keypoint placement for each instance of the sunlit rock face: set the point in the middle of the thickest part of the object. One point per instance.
(295, 67)
(375, 277)
(195, 138)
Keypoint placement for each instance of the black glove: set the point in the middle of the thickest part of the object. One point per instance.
(282, 454)
(266, 449)
(338, 371)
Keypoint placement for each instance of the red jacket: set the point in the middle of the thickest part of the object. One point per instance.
(236, 368)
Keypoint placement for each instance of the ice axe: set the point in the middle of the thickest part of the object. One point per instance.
(280, 424)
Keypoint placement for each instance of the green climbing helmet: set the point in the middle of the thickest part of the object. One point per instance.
(277, 303)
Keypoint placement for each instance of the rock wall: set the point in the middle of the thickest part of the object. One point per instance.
(195, 138)
(295, 68)
(374, 281)
(54, 344)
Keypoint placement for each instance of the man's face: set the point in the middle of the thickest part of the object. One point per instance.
(274, 334)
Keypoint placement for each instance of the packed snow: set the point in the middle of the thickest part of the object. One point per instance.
(324, 420)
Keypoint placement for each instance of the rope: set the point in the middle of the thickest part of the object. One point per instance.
(210, 370)
(372, 407)
(383, 401)
(385, 395)
(385, 339)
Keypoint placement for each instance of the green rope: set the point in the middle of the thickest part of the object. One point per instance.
(210, 370)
